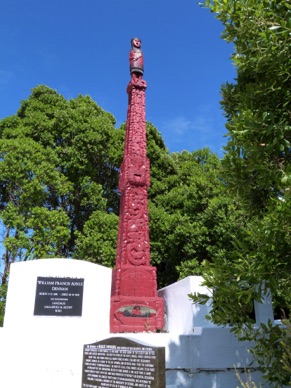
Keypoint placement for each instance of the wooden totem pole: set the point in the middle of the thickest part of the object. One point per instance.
(135, 306)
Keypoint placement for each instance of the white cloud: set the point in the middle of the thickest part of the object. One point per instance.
(178, 126)
(183, 126)
(205, 129)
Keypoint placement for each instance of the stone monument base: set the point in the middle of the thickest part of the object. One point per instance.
(135, 305)
(47, 351)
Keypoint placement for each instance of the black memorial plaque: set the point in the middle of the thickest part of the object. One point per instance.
(118, 362)
(59, 296)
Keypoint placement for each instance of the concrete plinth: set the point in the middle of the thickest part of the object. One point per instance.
(39, 351)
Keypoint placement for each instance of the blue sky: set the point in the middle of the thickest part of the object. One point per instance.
(82, 46)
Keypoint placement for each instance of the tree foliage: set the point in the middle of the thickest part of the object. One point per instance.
(257, 169)
(57, 166)
(258, 105)
(192, 216)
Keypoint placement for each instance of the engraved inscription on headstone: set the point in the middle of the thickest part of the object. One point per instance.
(59, 296)
(118, 362)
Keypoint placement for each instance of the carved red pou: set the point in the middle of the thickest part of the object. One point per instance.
(135, 306)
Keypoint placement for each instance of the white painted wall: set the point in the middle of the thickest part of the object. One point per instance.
(182, 314)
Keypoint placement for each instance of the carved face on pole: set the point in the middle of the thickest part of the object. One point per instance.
(135, 43)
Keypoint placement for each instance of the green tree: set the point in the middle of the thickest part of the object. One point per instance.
(98, 240)
(258, 105)
(57, 166)
(28, 178)
(192, 216)
(3, 293)
(257, 169)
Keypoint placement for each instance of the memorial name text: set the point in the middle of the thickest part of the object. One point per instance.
(113, 366)
(59, 296)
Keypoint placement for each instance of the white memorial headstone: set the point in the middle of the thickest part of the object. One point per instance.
(60, 283)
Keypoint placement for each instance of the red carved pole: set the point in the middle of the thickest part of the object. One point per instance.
(135, 306)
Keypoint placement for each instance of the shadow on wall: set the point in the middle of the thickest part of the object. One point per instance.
(201, 354)
(209, 359)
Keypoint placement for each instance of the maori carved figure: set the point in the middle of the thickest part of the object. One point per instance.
(135, 305)
(136, 61)
(136, 253)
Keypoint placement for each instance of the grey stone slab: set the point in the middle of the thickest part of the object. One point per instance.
(118, 362)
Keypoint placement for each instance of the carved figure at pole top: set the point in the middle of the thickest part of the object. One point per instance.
(136, 59)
